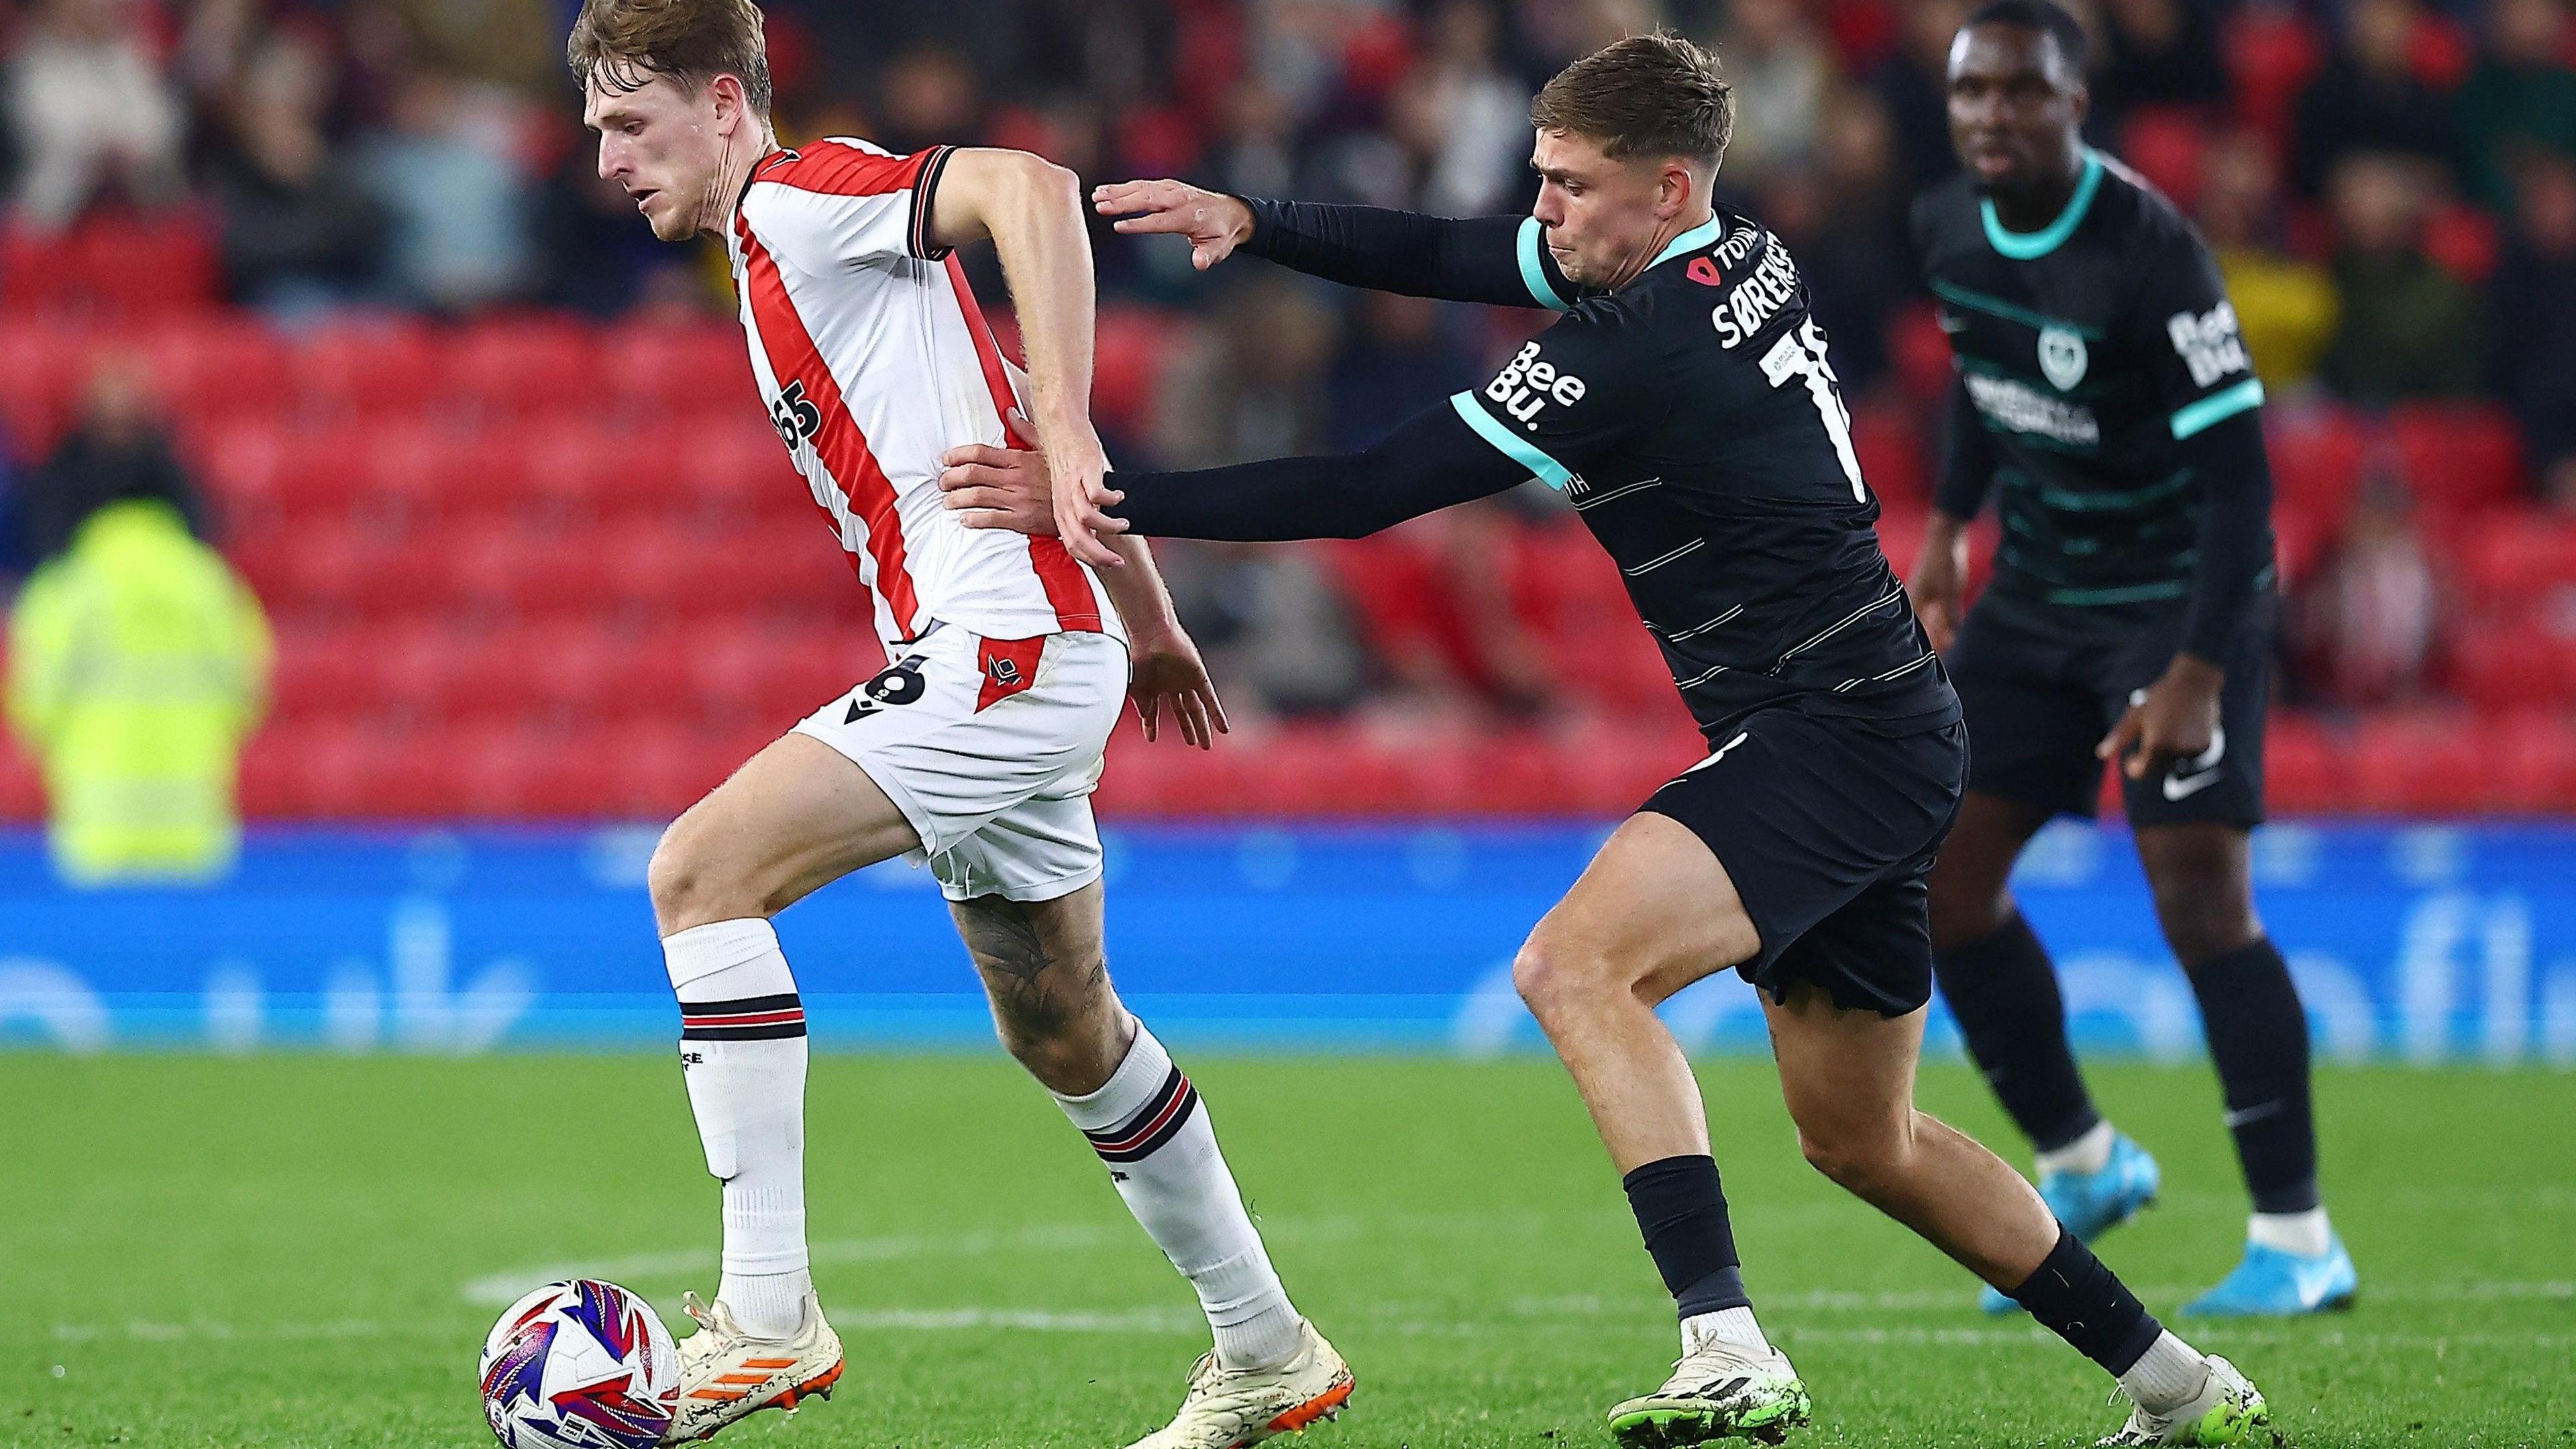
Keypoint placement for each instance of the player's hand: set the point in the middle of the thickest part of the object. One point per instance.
(2168, 722)
(1079, 495)
(1940, 582)
(1165, 672)
(1214, 222)
(992, 487)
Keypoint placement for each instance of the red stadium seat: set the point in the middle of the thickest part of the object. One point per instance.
(2303, 772)
(1924, 365)
(325, 672)
(213, 370)
(366, 369)
(2512, 560)
(2501, 667)
(1891, 453)
(736, 469)
(147, 267)
(662, 373)
(2271, 54)
(2165, 144)
(523, 367)
(341, 569)
(2457, 456)
(2318, 458)
(2427, 763)
(1127, 369)
(42, 363)
(2536, 762)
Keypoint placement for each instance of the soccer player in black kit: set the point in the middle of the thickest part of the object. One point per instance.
(1684, 405)
(2105, 399)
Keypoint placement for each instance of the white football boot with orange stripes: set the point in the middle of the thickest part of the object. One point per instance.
(1228, 1408)
(726, 1374)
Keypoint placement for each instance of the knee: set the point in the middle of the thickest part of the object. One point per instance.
(2204, 916)
(1554, 979)
(1866, 1159)
(1069, 1051)
(687, 885)
(1965, 910)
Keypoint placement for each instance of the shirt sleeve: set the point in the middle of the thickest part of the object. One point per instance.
(834, 205)
(1571, 395)
(2185, 326)
(1428, 463)
(1496, 260)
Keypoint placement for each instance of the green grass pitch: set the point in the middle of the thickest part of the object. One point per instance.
(307, 1251)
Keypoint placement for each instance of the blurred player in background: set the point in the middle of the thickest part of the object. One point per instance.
(1685, 407)
(980, 743)
(2105, 396)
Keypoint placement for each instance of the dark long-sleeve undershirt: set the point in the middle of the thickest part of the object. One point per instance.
(1474, 260)
(1430, 462)
(1968, 460)
(2235, 532)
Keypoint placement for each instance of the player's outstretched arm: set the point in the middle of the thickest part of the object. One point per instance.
(1498, 260)
(1429, 463)
(1032, 209)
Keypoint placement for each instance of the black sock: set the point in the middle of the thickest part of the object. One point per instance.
(2086, 1304)
(1683, 1216)
(2003, 990)
(2258, 1038)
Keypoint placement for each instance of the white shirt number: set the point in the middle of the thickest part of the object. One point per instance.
(1801, 353)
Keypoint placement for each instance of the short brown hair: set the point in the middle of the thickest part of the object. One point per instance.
(689, 41)
(1647, 95)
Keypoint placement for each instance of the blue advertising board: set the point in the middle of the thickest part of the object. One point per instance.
(2412, 942)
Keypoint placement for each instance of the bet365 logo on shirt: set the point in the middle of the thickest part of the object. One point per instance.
(1526, 384)
(795, 419)
(2208, 343)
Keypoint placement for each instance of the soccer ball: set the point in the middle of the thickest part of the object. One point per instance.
(580, 1365)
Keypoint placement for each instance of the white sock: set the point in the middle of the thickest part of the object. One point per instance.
(743, 1051)
(2170, 1375)
(1732, 1325)
(2088, 1153)
(1147, 1124)
(2307, 1234)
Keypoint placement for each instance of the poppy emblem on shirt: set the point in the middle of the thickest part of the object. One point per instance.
(2061, 357)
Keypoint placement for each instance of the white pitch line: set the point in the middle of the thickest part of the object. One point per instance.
(1578, 1312)
(498, 1290)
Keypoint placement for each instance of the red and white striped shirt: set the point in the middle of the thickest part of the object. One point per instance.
(875, 360)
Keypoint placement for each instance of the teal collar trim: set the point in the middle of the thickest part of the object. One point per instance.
(2025, 246)
(1692, 240)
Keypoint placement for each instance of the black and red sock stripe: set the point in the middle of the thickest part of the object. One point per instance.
(747, 1018)
(1154, 1124)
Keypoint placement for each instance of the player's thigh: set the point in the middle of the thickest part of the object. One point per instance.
(1813, 820)
(1653, 912)
(1970, 885)
(797, 816)
(1846, 1074)
(2223, 785)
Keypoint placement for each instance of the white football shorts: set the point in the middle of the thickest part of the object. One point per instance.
(990, 748)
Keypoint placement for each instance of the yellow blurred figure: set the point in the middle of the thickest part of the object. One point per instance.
(138, 665)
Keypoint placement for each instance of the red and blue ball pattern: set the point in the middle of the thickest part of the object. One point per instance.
(579, 1365)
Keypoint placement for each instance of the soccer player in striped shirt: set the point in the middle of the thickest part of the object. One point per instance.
(977, 747)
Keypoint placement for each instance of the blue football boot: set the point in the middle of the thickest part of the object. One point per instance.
(2092, 1203)
(2270, 1283)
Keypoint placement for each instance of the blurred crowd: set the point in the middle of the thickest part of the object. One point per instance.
(2389, 184)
